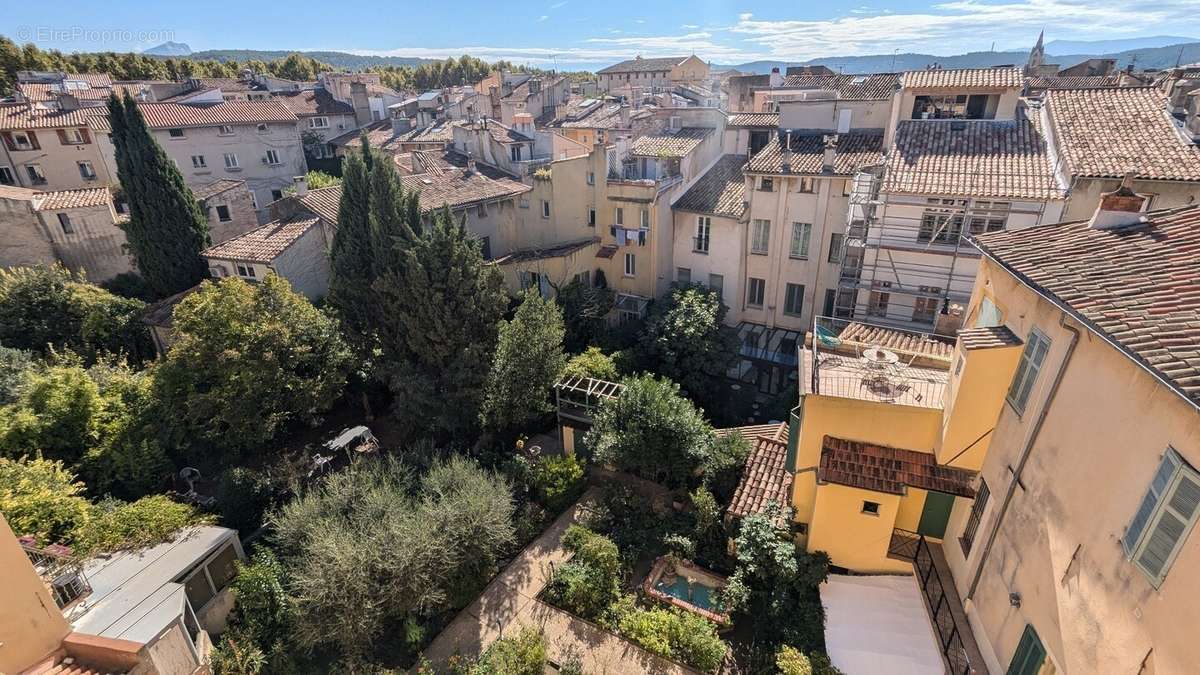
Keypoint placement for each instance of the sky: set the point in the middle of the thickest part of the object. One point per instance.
(591, 34)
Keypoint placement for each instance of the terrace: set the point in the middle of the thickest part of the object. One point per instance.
(871, 363)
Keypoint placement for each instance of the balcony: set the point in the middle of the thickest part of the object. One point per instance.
(59, 570)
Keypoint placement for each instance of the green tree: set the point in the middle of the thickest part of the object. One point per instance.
(442, 310)
(590, 582)
(58, 412)
(40, 497)
(685, 339)
(115, 525)
(166, 229)
(521, 654)
(528, 362)
(15, 367)
(592, 363)
(249, 361)
(652, 431)
(351, 264)
(584, 311)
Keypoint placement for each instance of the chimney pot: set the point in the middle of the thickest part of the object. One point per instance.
(301, 183)
(1120, 207)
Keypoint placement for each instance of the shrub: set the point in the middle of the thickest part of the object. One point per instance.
(675, 634)
(41, 497)
(58, 412)
(522, 654)
(117, 525)
(243, 496)
(626, 518)
(557, 480)
(592, 363)
(723, 468)
(263, 608)
(588, 583)
(792, 661)
(129, 285)
(15, 367)
(237, 655)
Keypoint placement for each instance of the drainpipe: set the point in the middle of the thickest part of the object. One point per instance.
(1025, 452)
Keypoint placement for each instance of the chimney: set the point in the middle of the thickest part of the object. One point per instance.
(775, 78)
(830, 154)
(787, 152)
(471, 168)
(1119, 208)
(362, 106)
(624, 113)
(401, 124)
(301, 183)
(535, 85)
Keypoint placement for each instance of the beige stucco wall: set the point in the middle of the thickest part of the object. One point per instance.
(96, 245)
(305, 264)
(23, 242)
(59, 162)
(242, 216)
(31, 625)
(1085, 194)
(170, 652)
(726, 256)
(1058, 546)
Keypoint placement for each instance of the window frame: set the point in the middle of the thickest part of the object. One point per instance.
(545, 208)
(978, 508)
(201, 164)
(630, 265)
(312, 122)
(837, 241)
(1173, 472)
(703, 239)
(807, 185)
(176, 133)
(231, 161)
(73, 136)
(90, 174)
(805, 241)
(22, 134)
(683, 275)
(224, 130)
(756, 300)
(1021, 374)
(228, 216)
(272, 157)
(760, 233)
(795, 291)
(64, 223)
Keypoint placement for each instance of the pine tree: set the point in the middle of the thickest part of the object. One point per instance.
(166, 229)
(529, 360)
(443, 306)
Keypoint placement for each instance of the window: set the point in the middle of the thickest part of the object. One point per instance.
(1164, 518)
(847, 187)
(223, 213)
(989, 314)
(703, 232)
(630, 265)
(760, 236)
(591, 218)
(86, 170)
(877, 302)
(272, 157)
(870, 508)
(22, 140)
(584, 278)
(481, 209)
(1029, 656)
(321, 151)
(977, 509)
(276, 195)
(261, 127)
(222, 568)
(645, 219)
(717, 283)
(6, 176)
(835, 247)
(523, 203)
(806, 184)
(830, 302)
(925, 308)
(231, 160)
(198, 590)
(246, 271)
(942, 220)
(755, 291)
(318, 122)
(794, 300)
(766, 184)
(955, 106)
(514, 152)
(225, 130)
(591, 178)
(175, 133)
(545, 209)
(619, 215)
(800, 236)
(1036, 346)
(64, 221)
(198, 162)
(36, 176)
(683, 275)
(72, 137)
(485, 248)
(988, 217)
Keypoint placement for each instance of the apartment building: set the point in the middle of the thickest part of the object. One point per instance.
(52, 148)
(78, 228)
(321, 119)
(653, 73)
(537, 96)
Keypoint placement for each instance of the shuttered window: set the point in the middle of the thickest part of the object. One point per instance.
(1036, 346)
(1030, 654)
(1164, 517)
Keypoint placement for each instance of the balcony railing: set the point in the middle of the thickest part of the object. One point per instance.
(948, 628)
(61, 572)
(903, 545)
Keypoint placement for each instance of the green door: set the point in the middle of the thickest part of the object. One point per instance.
(935, 515)
(1030, 654)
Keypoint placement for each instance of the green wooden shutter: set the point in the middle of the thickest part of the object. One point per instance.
(1167, 532)
(1154, 494)
(935, 514)
(1030, 654)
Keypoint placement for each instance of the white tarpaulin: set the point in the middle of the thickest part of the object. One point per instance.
(879, 624)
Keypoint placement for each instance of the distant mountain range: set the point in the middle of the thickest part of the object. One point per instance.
(1145, 57)
(1055, 47)
(336, 59)
(169, 49)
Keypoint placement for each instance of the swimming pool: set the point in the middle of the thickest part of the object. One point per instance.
(687, 586)
(694, 592)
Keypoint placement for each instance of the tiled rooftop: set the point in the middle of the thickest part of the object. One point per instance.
(1108, 132)
(854, 151)
(1006, 159)
(677, 144)
(215, 188)
(641, 65)
(262, 244)
(765, 478)
(1075, 82)
(324, 202)
(988, 337)
(754, 120)
(896, 340)
(980, 78)
(313, 102)
(25, 116)
(874, 87)
(74, 199)
(885, 469)
(1139, 285)
(458, 188)
(721, 191)
(40, 93)
(174, 115)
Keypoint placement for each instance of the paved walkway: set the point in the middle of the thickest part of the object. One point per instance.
(510, 602)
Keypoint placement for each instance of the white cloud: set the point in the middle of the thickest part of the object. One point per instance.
(639, 21)
(689, 26)
(542, 18)
(558, 4)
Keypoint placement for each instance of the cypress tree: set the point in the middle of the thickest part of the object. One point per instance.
(166, 229)
(351, 261)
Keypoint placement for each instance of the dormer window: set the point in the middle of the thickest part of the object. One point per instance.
(956, 107)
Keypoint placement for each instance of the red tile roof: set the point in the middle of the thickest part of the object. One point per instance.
(881, 468)
(670, 144)
(26, 116)
(313, 102)
(175, 115)
(324, 202)
(989, 337)
(720, 191)
(854, 151)
(1105, 133)
(753, 120)
(74, 199)
(896, 340)
(1138, 285)
(765, 479)
(963, 78)
(874, 87)
(262, 244)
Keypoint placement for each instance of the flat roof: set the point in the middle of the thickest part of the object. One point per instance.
(134, 593)
(878, 624)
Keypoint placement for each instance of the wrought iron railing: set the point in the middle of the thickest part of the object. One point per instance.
(61, 572)
(946, 627)
(903, 544)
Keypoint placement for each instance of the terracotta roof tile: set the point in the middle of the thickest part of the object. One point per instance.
(854, 151)
(775, 431)
(896, 340)
(174, 115)
(41, 93)
(881, 468)
(1139, 284)
(1105, 133)
(989, 337)
(26, 116)
(313, 102)
(1007, 159)
(324, 202)
(457, 188)
(721, 191)
(641, 65)
(215, 188)
(262, 244)
(754, 120)
(74, 199)
(1075, 82)
(677, 144)
(873, 87)
(984, 78)
(765, 479)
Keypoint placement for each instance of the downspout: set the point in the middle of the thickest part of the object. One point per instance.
(1025, 452)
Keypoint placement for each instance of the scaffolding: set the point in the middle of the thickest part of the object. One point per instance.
(906, 261)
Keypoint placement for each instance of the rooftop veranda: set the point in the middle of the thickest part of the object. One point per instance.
(858, 360)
